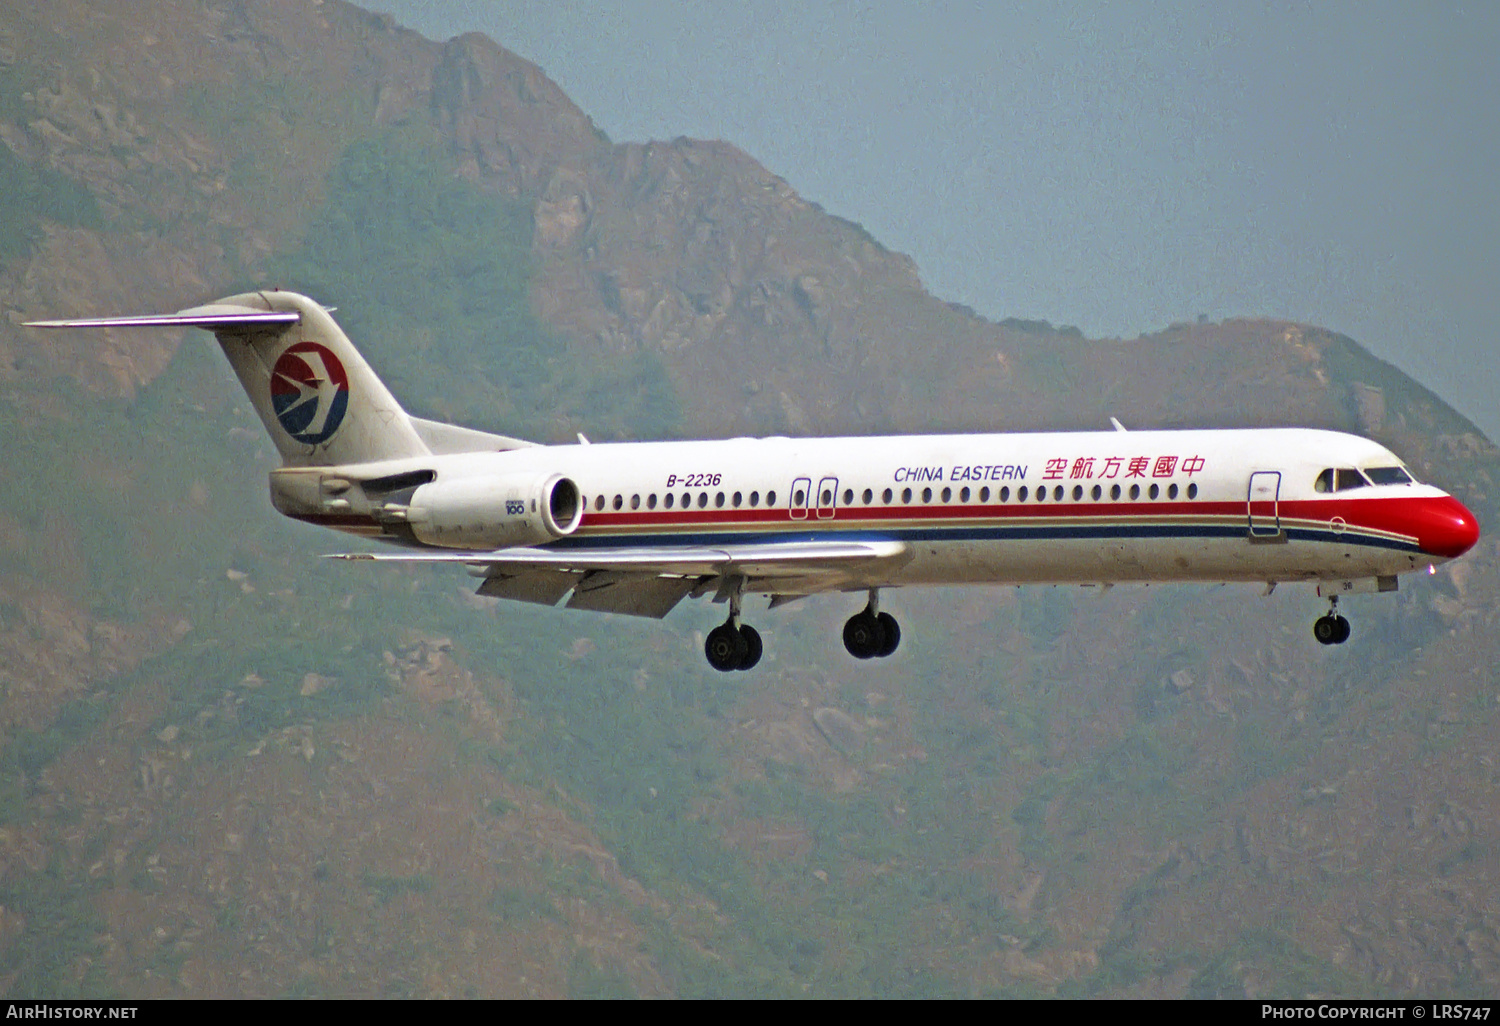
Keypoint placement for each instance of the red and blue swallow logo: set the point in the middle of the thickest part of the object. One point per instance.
(309, 392)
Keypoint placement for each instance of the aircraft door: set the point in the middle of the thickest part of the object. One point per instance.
(1262, 504)
(800, 498)
(828, 497)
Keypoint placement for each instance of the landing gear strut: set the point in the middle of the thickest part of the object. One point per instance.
(871, 634)
(1332, 629)
(733, 645)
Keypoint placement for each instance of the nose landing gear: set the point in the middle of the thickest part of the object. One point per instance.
(871, 634)
(1332, 629)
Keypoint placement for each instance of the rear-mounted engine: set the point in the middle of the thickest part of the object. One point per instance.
(494, 512)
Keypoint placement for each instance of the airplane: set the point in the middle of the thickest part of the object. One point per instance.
(635, 527)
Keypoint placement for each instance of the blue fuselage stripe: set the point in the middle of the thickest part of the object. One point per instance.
(968, 533)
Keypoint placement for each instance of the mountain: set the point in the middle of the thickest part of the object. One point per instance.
(230, 768)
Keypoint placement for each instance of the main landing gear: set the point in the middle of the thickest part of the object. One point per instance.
(733, 645)
(1332, 629)
(871, 634)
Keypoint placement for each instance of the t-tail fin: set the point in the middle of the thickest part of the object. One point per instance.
(319, 399)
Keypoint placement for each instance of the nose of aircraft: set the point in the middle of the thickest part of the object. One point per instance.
(1446, 528)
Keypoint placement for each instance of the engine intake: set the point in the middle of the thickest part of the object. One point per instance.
(495, 511)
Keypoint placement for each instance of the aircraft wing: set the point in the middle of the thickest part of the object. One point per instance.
(649, 581)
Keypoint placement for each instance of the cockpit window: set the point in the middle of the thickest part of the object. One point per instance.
(1389, 475)
(1350, 478)
(1340, 480)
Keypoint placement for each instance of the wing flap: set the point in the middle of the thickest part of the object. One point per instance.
(633, 594)
(544, 587)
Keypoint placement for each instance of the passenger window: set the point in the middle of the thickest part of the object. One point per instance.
(670, 498)
(598, 502)
(736, 500)
(963, 496)
(906, 495)
(826, 499)
(1155, 491)
(1114, 491)
(635, 502)
(1041, 494)
(702, 499)
(619, 501)
(848, 496)
(984, 494)
(770, 498)
(755, 498)
(1171, 491)
(947, 494)
(926, 494)
(1135, 492)
(868, 497)
(1192, 492)
(1021, 494)
(651, 501)
(886, 496)
(1096, 493)
(1077, 492)
(798, 498)
(1057, 493)
(719, 501)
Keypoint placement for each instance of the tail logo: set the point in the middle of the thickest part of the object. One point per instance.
(309, 392)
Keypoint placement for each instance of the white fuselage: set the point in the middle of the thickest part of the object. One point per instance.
(1002, 508)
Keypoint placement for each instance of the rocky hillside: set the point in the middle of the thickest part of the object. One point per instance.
(229, 768)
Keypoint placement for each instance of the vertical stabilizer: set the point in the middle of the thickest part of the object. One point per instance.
(316, 395)
(318, 398)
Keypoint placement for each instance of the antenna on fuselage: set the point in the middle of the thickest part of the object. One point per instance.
(1117, 424)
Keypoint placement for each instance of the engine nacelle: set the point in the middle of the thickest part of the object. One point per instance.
(494, 511)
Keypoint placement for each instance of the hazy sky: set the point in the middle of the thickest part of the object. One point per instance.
(1114, 166)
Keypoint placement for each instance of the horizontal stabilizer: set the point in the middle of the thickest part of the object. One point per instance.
(214, 317)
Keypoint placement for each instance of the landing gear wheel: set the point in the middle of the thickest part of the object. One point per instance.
(752, 646)
(1325, 629)
(864, 636)
(726, 648)
(1332, 629)
(892, 631)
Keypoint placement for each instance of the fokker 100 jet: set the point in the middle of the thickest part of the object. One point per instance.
(636, 527)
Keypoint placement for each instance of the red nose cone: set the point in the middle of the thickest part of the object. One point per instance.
(1447, 528)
